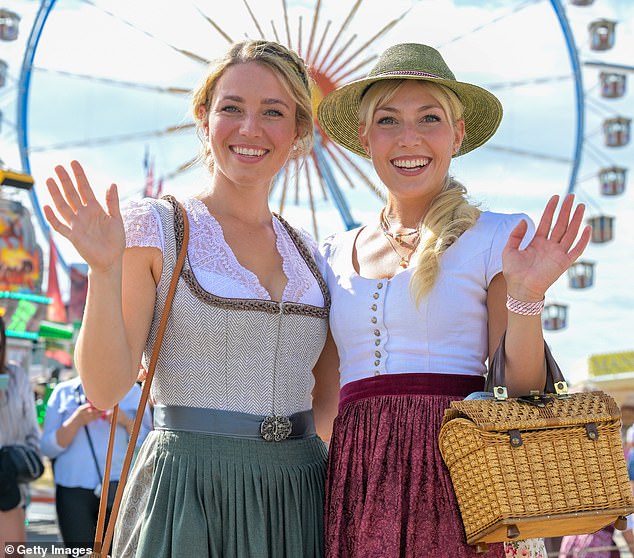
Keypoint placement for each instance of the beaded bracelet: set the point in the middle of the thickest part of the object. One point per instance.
(524, 308)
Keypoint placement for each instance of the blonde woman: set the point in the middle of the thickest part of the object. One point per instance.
(420, 299)
(234, 467)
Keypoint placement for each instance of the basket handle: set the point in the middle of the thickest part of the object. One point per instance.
(496, 380)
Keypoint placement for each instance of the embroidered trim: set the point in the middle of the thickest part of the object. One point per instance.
(268, 306)
(408, 73)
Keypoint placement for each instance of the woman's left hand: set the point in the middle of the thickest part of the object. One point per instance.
(531, 271)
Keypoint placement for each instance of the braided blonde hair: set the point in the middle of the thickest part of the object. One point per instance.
(450, 214)
(289, 68)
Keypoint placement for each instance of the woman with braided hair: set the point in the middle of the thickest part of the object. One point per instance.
(420, 299)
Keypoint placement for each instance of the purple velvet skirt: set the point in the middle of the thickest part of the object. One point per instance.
(388, 491)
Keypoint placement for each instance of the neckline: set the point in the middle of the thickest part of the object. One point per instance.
(350, 251)
(266, 305)
(253, 278)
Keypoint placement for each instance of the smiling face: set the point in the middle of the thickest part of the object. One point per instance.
(411, 140)
(250, 125)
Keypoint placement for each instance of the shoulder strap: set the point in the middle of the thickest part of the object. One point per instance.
(102, 542)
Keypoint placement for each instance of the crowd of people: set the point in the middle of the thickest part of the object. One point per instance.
(345, 354)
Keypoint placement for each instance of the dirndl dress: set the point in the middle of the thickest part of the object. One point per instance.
(389, 493)
(205, 483)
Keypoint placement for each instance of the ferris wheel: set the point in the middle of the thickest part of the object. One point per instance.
(121, 73)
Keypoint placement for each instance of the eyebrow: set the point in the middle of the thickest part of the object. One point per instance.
(268, 101)
(388, 108)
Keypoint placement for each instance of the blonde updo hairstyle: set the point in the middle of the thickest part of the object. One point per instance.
(289, 68)
(450, 214)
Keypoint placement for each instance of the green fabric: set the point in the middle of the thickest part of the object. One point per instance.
(214, 496)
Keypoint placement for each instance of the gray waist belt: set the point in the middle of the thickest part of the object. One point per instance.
(272, 428)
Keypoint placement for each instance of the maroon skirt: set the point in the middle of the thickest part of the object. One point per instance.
(388, 491)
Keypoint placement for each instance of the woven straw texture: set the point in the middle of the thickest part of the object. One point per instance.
(338, 112)
(556, 470)
(580, 408)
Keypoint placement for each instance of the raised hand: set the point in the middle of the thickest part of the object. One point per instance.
(530, 272)
(97, 234)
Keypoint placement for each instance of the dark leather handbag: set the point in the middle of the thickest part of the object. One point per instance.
(23, 460)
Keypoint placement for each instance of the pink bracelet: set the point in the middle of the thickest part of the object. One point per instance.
(524, 308)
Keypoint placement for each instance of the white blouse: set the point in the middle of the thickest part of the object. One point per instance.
(379, 330)
(214, 264)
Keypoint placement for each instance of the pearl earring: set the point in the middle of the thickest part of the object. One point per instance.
(294, 147)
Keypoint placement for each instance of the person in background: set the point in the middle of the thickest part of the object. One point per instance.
(421, 298)
(18, 425)
(75, 438)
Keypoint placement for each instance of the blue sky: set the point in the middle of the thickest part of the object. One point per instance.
(523, 46)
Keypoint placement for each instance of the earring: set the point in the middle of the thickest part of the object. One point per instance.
(295, 147)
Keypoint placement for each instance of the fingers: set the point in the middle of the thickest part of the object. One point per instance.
(112, 201)
(72, 197)
(65, 210)
(561, 224)
(573, 228)
(583, 241)
(517, 235)
(83, 187)
(546, 221)
(55, 223)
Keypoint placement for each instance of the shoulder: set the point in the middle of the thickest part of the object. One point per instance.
(66, 386)
(334, 243)
(491, 220)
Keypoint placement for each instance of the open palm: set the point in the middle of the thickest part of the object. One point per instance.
(531, 271)
(97, 234)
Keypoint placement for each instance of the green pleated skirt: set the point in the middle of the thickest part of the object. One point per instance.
(208, 496)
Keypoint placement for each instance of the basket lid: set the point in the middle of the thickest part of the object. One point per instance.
(515, 414)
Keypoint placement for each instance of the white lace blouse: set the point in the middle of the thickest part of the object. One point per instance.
(214, 264)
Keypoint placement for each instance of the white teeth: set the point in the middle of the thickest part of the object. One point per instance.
(251, 152)
(410, 163)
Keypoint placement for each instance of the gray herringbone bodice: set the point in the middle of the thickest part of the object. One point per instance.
(253, 356)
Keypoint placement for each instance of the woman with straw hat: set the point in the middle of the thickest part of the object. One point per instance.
(420, 300)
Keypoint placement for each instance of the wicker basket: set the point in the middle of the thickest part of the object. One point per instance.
(544, 467)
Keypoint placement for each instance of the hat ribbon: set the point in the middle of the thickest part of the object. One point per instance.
(408, 73)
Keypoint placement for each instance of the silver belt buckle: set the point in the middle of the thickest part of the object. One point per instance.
(275, 428)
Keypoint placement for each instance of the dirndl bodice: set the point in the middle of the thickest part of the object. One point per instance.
(245, 355)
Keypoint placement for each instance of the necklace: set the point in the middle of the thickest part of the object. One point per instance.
(398, 238)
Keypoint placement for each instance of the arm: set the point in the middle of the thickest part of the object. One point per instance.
(527, 275)
(326, 390)
(121, 287)
(32, 438)
(524, 344)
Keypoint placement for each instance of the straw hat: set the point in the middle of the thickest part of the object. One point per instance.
(338, 113)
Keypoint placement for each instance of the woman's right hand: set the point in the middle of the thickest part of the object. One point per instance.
(97, 234)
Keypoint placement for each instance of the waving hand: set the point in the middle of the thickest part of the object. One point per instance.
(96, 233)
(530, 272)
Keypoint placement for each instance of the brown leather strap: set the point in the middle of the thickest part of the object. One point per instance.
(101, 548)
(497, 367)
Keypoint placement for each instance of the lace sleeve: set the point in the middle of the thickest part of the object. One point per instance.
(142, 225)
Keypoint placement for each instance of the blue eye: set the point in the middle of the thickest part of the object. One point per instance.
(273, 112)
(230, 108)
(386, 120)
(431, 118)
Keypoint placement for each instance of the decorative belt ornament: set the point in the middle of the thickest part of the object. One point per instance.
(275, 428)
